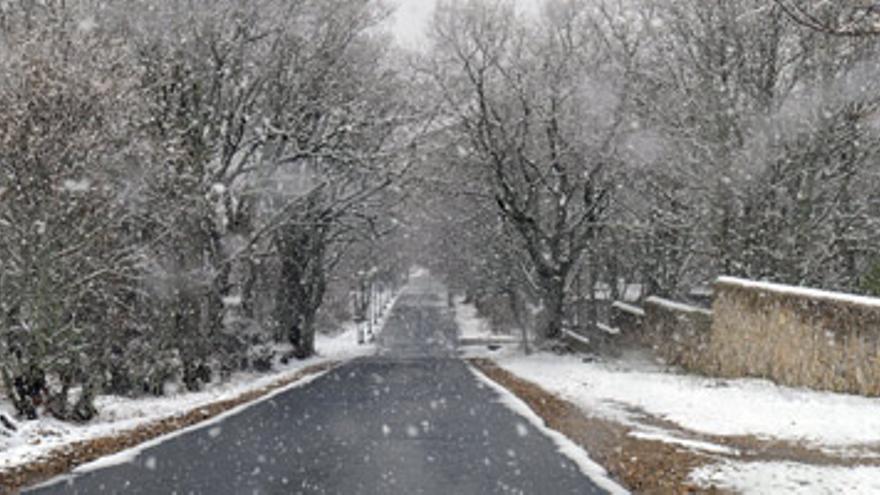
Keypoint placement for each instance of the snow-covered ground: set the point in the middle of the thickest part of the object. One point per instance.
(832, 422)
(841, 426)
(473, 329)
(470, 326)
(771, 478)
(35, 439)
(565, 446)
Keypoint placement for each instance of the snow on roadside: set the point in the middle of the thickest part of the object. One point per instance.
(470, 325)
(661, 435)
(344, 344)
(566, 447)
(35, 439)
(837, 424)
(132, 453)
(823, 420)
(780, 478)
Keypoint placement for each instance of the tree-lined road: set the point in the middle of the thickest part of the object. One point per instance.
(411, 420)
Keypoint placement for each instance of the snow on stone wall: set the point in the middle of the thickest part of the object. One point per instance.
(629, 320)
(796, 336)
(628, 308)
(679, 333)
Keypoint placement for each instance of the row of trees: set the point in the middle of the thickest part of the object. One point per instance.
(179, 185)
(183, 187)
(653, 144)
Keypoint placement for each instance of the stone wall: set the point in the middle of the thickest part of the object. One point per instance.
(795, 336)
(629, 320)
(578, 342)
(679, 333)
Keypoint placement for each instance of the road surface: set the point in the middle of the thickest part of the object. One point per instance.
(411, 420)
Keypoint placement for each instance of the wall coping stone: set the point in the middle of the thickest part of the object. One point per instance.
(804, 292)
(676, 306)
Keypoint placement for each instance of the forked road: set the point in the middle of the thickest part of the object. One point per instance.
(412, 420)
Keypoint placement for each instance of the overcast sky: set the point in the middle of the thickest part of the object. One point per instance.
(411, 20)
(412, 16)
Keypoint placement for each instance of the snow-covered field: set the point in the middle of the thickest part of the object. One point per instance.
(35, 439)
(841, 426)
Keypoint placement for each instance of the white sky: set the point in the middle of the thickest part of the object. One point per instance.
(411, 20)
(412, 16)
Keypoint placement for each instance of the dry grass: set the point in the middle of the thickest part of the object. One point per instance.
(796, 341)
(65, 459)
(680, 337)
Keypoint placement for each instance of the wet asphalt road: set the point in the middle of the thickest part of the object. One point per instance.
(412, 420)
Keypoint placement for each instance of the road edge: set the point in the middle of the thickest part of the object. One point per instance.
(637, 465)
(565, 445)
(77, 456)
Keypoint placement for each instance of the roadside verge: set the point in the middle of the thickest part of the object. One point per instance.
(69, 456)
(657, 432)
(640, 466)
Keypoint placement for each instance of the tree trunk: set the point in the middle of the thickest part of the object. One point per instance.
(554, 308)
(304, 346)
(302, 286)
(285, 310)
(311, 296)
(247, 289)
(26, 391)
(516, 310)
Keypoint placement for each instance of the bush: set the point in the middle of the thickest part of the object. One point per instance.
(871, 280)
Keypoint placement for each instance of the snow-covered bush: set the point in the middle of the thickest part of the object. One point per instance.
(66, 258)
(151, 161)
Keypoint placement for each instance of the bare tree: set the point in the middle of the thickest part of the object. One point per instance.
(848, 19)
(764, 138)
(66, 259)
(541, 120)
(158, 164)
